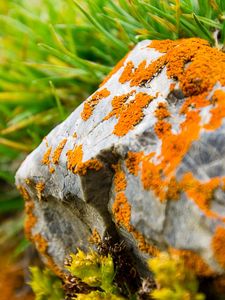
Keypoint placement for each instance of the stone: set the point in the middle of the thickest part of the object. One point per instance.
(142, 159)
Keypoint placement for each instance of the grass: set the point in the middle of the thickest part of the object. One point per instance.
(54, 53)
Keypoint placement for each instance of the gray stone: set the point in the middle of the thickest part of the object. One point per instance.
(74, 196)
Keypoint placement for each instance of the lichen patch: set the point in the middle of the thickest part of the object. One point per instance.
(75, 164)
(58, 151)
(91, 103)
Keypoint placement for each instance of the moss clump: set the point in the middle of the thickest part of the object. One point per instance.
(93, 276)
(173, 280)
(93, 269)
(46, 285)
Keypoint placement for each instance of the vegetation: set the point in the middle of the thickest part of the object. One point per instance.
(173, 280)
(54, 53)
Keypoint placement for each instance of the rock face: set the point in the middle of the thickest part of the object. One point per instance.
(142, 158)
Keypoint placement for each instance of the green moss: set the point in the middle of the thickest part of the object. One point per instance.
(91, 276)
(93, 269)
(46, 285)
(173, 280)
(99, 296)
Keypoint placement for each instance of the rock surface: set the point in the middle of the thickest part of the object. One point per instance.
(144, 156)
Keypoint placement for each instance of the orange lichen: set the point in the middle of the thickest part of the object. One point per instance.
(120, 182)
(143, 245)
(201, 193)
(218, 243)
(194, 102)
(172, 86)
(40, 243)
(58, 151)
(127, 72)
(31, 219)
(51, 170)
(174, 189)
(193, 262)
(133, 161)
(40, 188)
(218, 112)
(46, 157)
(162, 128)
(95, 237)
(30, 222)
(42, 246)
(24, 193)
(132, 114)
(118, 104)
(164, 45)
(162, 111)
(74, 157)
(90, 104)
(192, 62)
(122, 210)
(75, 164)
(75, 135)
(91, 164)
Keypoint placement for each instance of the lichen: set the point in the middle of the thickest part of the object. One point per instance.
(58, 151)
(122, 211)
(46, 156)
(127, 72)
(193, 262)
(132, 162)
(91, 103)
(218, 243)
(40, 188)
(31, 219)
(131, 114)
(75, 164)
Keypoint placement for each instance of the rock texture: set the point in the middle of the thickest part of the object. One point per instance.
(143, 157)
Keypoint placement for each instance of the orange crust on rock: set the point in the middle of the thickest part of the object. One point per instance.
(122, 212)
(75, 164)
(218, 245)
(90, 104)
(193, 262)
(58, 151)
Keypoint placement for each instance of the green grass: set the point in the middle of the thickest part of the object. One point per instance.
(54, 53)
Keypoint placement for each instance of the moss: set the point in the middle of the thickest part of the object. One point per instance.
(45, 285)
(96, 295)
(173, 280)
